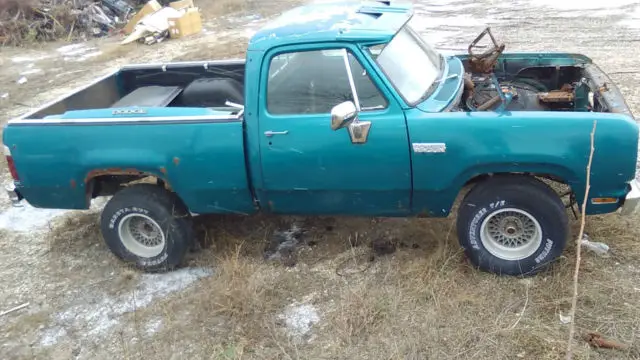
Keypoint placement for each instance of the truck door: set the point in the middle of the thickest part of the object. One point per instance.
(308, 168)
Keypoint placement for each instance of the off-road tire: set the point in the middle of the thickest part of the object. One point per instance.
(165, 209)
(522, 193)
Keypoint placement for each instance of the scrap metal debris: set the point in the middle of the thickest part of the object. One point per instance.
(23, 21)
(597, 340)
(37, 20)
(599, 248)
(153, 27)
(564, 319)
(564, 94)
(154, 23)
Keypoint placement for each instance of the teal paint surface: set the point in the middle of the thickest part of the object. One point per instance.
(538, 142)
(314, 170)
(349, 21)
(210, 174)
(313, 164)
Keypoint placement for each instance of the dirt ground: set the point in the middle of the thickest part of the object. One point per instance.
(332, 300)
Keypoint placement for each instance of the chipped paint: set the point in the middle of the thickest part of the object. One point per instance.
(176, 161)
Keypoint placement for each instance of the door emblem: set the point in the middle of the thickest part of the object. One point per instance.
(429, 147)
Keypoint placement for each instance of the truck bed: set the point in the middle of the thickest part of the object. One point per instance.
(176, 85)
(134, 124)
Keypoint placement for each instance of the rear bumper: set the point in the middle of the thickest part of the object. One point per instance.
(632, 199)
(14, 194)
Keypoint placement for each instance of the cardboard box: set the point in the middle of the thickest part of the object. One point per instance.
(149, 8)
(182, 4)
(188, 24)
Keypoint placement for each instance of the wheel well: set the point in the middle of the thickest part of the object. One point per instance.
(556, 183)
(109, 184)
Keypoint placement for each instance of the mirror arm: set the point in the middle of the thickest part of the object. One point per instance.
(352, 83)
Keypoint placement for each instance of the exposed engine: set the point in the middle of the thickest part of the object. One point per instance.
(520, 86)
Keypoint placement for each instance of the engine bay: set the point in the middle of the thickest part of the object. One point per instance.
(495, 84)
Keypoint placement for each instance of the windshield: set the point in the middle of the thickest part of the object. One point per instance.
(411, 65)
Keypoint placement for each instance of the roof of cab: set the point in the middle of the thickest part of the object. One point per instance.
(348, 21)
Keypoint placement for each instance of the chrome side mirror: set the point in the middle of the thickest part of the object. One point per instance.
(342, 114)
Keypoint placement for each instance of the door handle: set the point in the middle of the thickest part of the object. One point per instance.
(271, 133)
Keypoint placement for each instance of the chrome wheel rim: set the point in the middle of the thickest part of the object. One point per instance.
(511, 234)
(141, 235)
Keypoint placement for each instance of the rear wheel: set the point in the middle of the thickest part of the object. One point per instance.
(512, 225)
(148, 227)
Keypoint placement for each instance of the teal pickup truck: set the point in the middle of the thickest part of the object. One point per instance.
(337, 109)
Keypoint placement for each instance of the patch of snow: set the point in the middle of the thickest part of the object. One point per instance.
(446, 7)
(153, 326)
(24, 59)
(300, 318)
(52, 336)
(436, 22)
(69, 73)
(78, 52)
(26, 218)
(98, 317)
(84, 57)
(583, 4)
(31, 71)
(584, 8)
(73, 49)
(22, 80)
(634, 19)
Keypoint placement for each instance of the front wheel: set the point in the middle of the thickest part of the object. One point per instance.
(512, 225)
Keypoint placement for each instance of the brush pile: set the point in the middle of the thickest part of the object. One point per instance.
(24, 21)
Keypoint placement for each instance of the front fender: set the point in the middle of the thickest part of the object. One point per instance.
(551, 143)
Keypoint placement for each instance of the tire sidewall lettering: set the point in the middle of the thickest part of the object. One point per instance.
(118, 215)
(546, 250)
(154, 261)
(476, 221)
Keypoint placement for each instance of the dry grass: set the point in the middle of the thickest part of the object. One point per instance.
(424, 301)
(418, 303)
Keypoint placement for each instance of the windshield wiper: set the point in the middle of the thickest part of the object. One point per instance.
(452, 76)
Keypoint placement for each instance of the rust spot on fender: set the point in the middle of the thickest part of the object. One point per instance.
(176, 161)
(72, 183)
(270, 205)
(163, 170)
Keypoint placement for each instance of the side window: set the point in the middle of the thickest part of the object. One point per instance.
(313, 82)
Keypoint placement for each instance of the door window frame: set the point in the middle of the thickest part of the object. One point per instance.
(355, 51)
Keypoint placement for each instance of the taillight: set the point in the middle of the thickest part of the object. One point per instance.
(10, 164)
